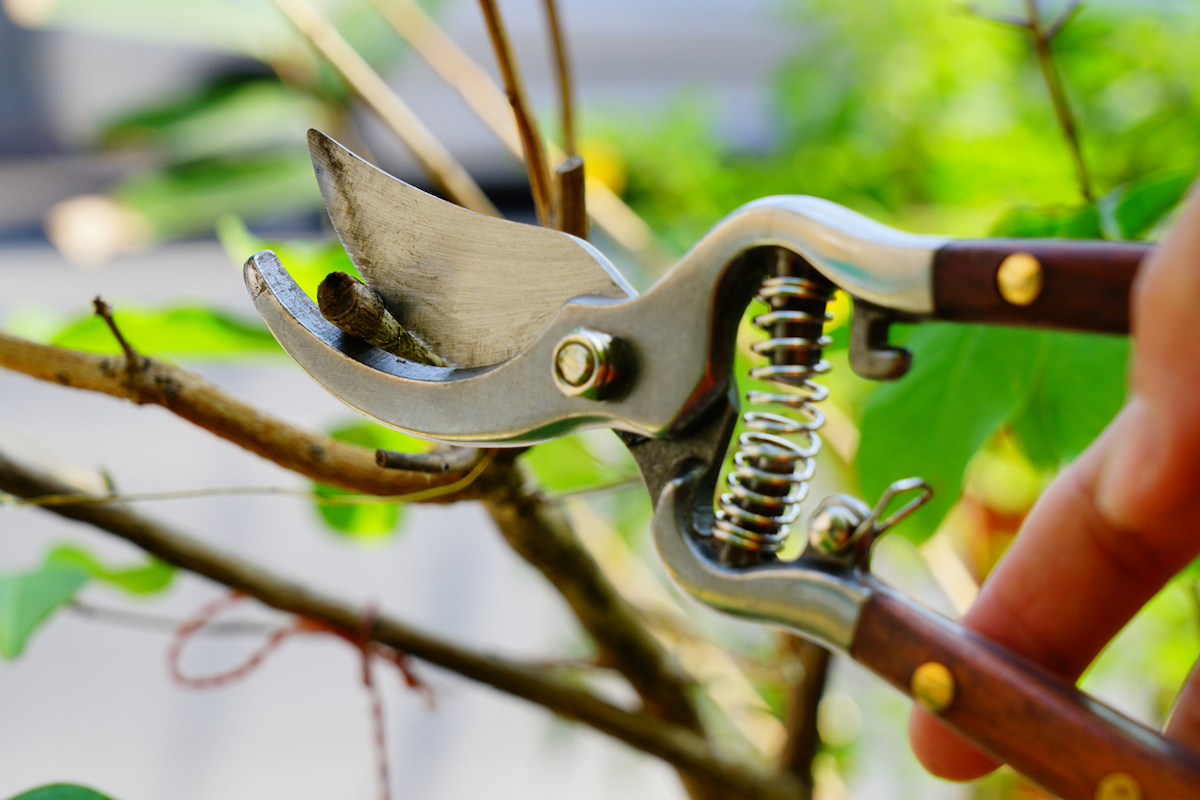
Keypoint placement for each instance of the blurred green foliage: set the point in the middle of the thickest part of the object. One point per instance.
(150, 577)
(188, 331)
(366, 521)
(236, 143)
(936, 119)
(926, 116)
(27, 599)
(61, 791)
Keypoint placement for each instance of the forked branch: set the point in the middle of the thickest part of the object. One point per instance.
(672, 743)
(1041, 36)
(191, 397)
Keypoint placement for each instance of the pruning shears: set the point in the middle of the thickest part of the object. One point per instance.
(539, 335)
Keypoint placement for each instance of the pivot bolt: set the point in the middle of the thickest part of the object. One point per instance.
(588, 364)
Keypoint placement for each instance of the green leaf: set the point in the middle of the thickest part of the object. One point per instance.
(307, 262)
(579, 461)
(187, 198)
(61, 791)
(182, 332)
(1069, 222)
(28, 599)
(236, 114)
(1144, 203)
(965, 381)
(1077, 386)
(362, 521)
(369, 520)
(375, 436)
(148, 578)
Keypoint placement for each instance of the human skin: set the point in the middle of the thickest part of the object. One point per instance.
(1114, 526)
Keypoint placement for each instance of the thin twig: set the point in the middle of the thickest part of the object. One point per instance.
(1008, 20)
(1068, 13)
(441, 167)
(104, 311)
(566, 100)
(531, 137)
(47, 501)
(672, 743)
(451, 459)
(487, 100)
(190, 397)
(804, 697)
(543, 536)
(596, 488)
(571, 181)
(167, 624)
(1042, 38)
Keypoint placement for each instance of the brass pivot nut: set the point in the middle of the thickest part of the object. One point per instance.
(1118, 786)
(933, 687)
(589, 364)
(1020, 278)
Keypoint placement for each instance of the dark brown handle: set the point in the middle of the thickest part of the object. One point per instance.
(1078, 285)
(1044, 728)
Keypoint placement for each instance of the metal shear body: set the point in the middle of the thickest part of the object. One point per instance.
(657, 368)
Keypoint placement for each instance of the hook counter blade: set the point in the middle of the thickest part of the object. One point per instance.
(477, 289)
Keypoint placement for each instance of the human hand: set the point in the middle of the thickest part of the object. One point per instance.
(1115, 525)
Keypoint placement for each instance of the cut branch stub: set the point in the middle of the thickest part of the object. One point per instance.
(572, 205)
(358, 310)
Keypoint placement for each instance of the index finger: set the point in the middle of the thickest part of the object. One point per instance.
(1117, 524)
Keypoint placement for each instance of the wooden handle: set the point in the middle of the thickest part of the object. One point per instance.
(1077, 285)
(1019, 713)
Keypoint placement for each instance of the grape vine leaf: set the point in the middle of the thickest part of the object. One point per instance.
(965, 381)
(1076, 387)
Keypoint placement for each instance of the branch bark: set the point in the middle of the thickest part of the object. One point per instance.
(531, 137)
(803, 740)
(672, 743)
(543, 536)
(1042, 37)
(191, 397)
(566, 100)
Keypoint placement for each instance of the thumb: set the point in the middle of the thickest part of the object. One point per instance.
(1154, 462)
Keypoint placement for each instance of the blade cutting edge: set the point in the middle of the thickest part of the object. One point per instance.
(477, 289)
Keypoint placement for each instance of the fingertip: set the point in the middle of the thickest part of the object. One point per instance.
(943, 752)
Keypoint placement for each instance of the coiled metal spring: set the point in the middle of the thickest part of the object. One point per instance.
(770, 473)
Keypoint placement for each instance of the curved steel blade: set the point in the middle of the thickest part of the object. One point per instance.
(478, 290)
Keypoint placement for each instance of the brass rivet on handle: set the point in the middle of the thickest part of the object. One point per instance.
(933, 687)
(1118, 786)
(1019, 278)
